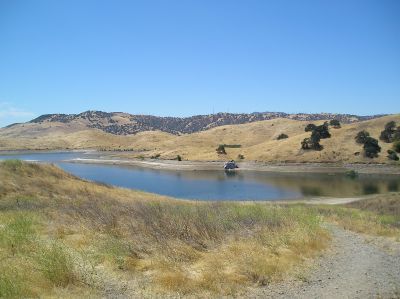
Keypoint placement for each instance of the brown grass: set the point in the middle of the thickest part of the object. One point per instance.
(258, 141)
(382, 205)
(170, 246)
(378, 215)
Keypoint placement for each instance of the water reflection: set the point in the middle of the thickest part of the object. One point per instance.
(393, 186)
(221, 185)
(229, 173)
(311, 191)
(370, 189)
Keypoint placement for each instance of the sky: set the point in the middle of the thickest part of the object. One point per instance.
(182, 58)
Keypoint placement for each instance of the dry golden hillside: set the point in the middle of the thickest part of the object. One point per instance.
(258, 141)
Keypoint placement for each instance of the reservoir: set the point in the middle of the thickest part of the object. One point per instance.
(218, 184)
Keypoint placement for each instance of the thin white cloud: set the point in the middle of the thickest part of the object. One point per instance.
(10, 113)
(6, 109)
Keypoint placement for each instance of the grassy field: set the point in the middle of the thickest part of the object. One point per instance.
(64, 237)
(255, 141)
(379, 215)
(57, 232)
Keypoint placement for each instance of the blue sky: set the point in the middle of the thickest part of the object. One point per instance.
(181, 58)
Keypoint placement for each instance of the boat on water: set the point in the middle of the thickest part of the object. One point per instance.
(231, 165)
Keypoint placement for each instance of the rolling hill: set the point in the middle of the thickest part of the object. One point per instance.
(120, 123)
(256, 140)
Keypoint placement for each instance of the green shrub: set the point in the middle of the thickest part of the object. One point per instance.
(12, 164)
(390, 126)
(361, 137)
(18, 232)
(56, 265)
(310, 127)
(305, 144)
(396, 146)
(232, 145)
(323, 131)
(318, 133)
(335, 123)
(308, 144)
(282, 136)
(371, 147)
(10, 284)
(240, 157)
(386, 136)
(389, 134)
(179, 158)
(392, 155)
(221, 149)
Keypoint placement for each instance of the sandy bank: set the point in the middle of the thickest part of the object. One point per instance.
(246, 166)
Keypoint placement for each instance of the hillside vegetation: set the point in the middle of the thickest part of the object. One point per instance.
(255, 141)
(64, 237)
(61, 236)
(119, 123)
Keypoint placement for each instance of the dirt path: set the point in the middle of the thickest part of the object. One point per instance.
(355, 267)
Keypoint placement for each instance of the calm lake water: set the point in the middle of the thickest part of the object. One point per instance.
(219, 185)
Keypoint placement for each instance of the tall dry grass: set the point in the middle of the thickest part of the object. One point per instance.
(175, 246)
(378, 215)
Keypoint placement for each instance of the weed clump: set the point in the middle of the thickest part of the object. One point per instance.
(282, 136)
(11, 284)
(17, 233)
(56, 265)
(12, 164)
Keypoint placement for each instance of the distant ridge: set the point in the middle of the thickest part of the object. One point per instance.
(120, 123)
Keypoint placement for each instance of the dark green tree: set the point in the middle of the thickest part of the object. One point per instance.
(371, 147)
(315, 139)
(317, 133)
(361, 137)
(396, 146)
(315, 136)
(390, 132)
(323, 130)
(335, 123)
(397, 134)
(306, 144)
(310, 127)
(221, 149)
(312, 142)
(390, 126)
(392, 155)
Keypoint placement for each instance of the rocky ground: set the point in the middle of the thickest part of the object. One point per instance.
(355, 267)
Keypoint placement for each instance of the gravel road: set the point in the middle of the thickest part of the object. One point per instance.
(355, 267)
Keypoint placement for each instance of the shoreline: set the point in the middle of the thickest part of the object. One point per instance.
(248, 166)
(333, 168)
(107, 158)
